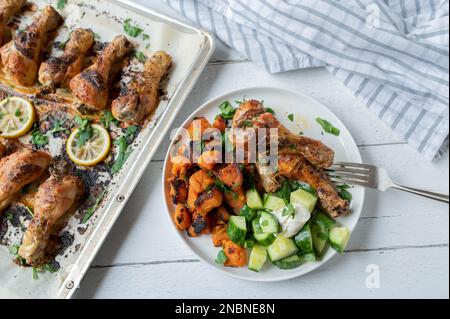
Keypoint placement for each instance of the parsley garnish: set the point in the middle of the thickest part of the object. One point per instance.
(58, 127)
(85, 132)
(291, 117)
(133, 31)
(107, 119)
(227, 110)
(270, 110)
(124, 150)
(18, 112)
(221, 257)
(47, 267)
(145, 37)
(328, 127)
(300, 185)
(344, 193)
(37, 138)
(14, 250)
(91, 210)
(61, 4)
(139, 55)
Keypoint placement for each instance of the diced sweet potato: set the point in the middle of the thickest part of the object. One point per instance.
(182, 217)
(208, 200)
(219, 235)
(220, 123)
(220, 216)
(209, 159)
(180, 166)
(178, 191)
(235, 199)
(200, 225)
(197, 127)
(198, 183)
(236, 256)
(231, 176)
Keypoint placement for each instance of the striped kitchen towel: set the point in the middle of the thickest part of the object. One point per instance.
(392, 54)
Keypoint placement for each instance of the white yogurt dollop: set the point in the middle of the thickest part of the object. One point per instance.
(292, 224)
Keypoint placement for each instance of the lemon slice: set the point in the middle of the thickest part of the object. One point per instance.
(17, 117)
(93, 151)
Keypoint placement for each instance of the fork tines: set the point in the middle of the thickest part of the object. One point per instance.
(352, 173)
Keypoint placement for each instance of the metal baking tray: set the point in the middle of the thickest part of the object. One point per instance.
(191, 49)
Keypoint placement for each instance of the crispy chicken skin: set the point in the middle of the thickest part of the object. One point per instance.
(8, 9)
(54, 199)
(91, 85)
(19, 169)
(140, 99)
(21, 56)
(252, 114)
(297, 167)
(59, 70)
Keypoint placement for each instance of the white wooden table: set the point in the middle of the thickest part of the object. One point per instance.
(406, 236)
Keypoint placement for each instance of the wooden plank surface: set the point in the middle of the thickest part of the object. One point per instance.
(404, 235)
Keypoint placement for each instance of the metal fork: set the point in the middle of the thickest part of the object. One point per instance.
(373, 177)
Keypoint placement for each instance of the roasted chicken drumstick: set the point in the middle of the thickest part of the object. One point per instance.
(59, 70)
(91, 85)
(138, 100)
(54, 201)
(19, 169)
(298, 168)
(8, 9)
(21, 56)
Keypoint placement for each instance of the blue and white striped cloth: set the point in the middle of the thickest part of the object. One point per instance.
(392, 54)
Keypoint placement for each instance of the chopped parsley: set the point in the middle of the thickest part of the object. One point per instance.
(301, 133)
(221, 257)
(47, 267)
(58, 127)
(344, 193)
(328, 127)
(107, 119)
(37, 138)
(91, 210)
(140, 56)
(270, 110)
(61, 4)
(304, 186)
(1, 115)
(124, 150)
(291, 117)
(85, 132)
(132, 30)
(227, 110)
(30, 210)
(145, 37)
(14, 250)
(18, 112)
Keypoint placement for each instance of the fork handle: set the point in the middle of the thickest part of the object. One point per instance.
(436, 196)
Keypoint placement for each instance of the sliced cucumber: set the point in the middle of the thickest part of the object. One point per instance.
(258, 258)
(308, 258)
(254, 201)
(248, 213)
(269, 223)
(264, 239)
(323, 223)
(281, 248)
(305, 198)
(319, 243)
(289, 262)
(237, 229)
(249, 242)
(274, 203)
(304, 241)
(339, 237)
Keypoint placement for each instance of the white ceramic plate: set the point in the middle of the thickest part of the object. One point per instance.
(305, 111)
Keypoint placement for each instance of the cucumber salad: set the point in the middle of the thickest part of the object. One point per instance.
(286, 230)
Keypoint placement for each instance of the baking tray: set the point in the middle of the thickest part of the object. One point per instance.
(191, 49)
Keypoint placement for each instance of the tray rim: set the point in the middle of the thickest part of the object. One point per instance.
(119, 197)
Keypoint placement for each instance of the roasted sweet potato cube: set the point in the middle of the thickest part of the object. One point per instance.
(200, 225)
(235, 199)
(220, 123)
(236, 256)
(178, 191)
(182, 217)
(220, 216)
(219, 234)
(198, 183)
(231, 176)
(197, 127)
(208, 200)
(209, 159)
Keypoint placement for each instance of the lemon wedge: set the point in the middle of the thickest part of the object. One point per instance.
(17, 117)
(88, 152)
